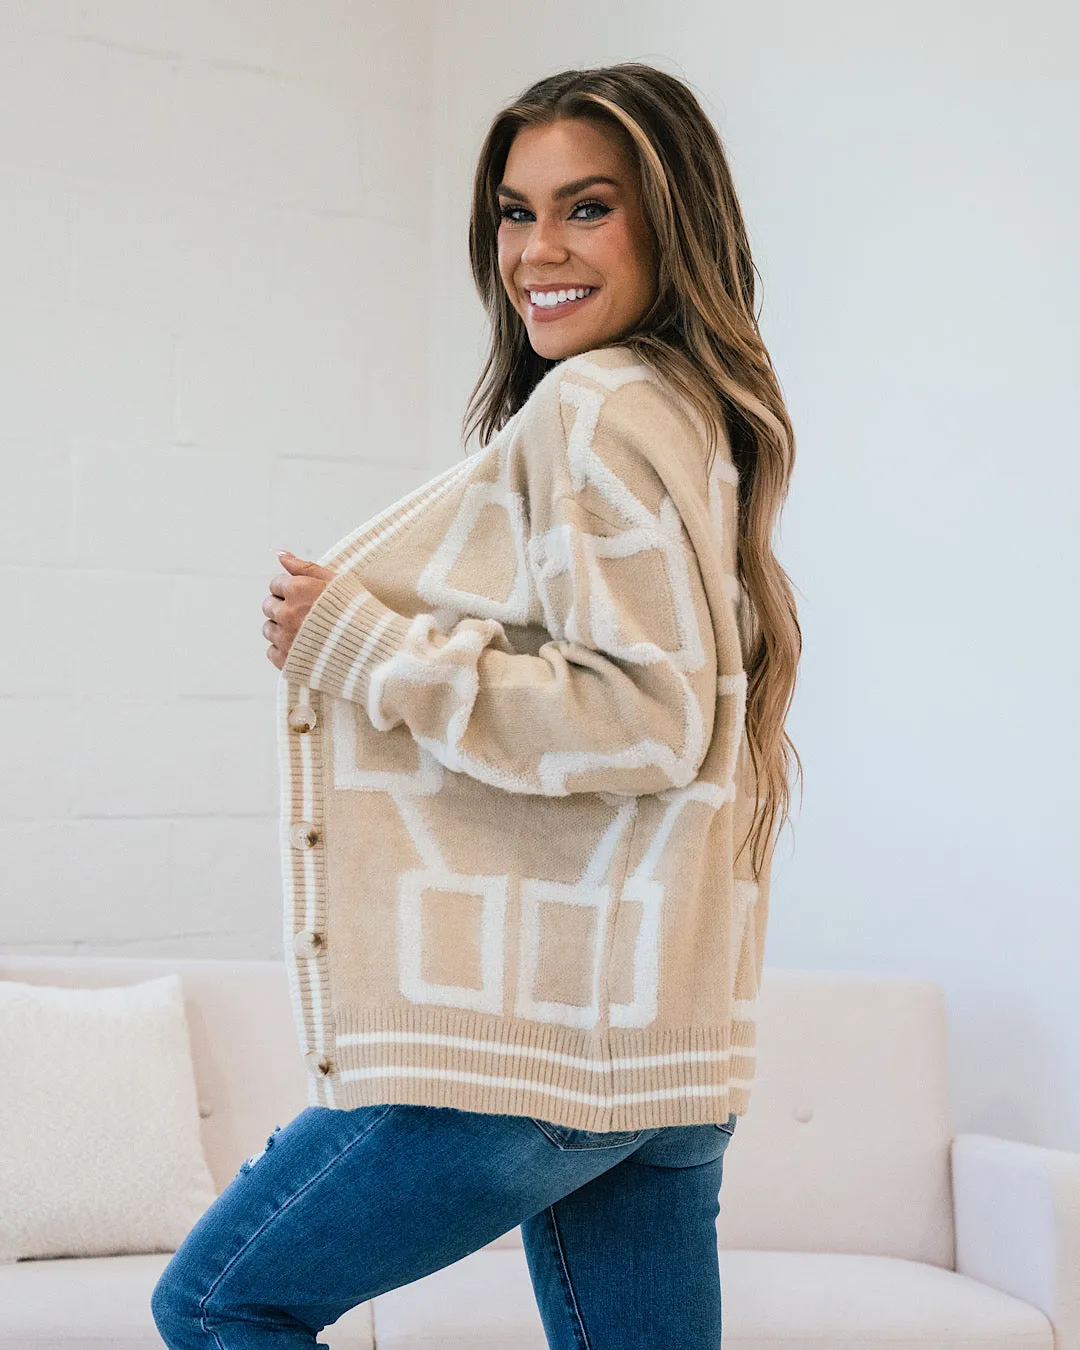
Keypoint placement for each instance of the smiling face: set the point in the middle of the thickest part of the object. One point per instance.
(560, 230)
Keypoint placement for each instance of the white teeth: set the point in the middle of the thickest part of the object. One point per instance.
(549, 298)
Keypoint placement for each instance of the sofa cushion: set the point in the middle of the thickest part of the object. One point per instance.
(104, 1301)
(771, 1301)
(100, 1150)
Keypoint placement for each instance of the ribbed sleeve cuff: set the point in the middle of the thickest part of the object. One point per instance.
(343, 637)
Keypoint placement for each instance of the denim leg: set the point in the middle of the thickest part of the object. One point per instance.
(341, 1206)
(218, 1289)
(629, 1260)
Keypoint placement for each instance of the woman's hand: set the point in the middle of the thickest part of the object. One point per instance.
(292, 594)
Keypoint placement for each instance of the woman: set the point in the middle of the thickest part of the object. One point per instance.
(533, 757)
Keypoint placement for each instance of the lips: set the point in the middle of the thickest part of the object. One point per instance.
(543, 313)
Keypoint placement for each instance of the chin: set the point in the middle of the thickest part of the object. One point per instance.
(554, 348)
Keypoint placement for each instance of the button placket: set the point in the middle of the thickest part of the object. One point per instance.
(306, 834)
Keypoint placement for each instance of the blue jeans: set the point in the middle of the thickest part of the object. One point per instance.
(342, 1205)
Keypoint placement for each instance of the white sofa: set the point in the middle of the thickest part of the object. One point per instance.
(851, 1215)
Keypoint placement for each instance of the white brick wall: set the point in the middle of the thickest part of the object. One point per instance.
(214, 342)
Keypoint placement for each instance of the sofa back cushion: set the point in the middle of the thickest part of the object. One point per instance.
(845, 1145)
(844, 1148)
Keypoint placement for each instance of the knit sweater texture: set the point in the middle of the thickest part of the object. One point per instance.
(514, 776)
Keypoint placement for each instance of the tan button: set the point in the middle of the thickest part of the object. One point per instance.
(303, 835)
(302, 717)
(307, 940)
(317, 1062)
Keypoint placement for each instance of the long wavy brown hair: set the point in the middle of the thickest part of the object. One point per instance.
(701, 335)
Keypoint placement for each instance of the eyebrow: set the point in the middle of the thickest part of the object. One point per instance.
(567, 189)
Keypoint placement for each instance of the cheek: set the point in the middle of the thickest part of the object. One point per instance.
(503, 252)
(615, 256)
(506, 265)
(638, 276)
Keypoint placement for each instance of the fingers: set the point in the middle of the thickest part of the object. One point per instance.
(271, 629)
(275, 652)
(299, 579)
(272, 603)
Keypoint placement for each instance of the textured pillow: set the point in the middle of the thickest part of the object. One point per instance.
(100, 1152)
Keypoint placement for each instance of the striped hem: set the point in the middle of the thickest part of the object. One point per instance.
(450, 1057)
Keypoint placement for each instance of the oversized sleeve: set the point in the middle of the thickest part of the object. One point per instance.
(620, 699)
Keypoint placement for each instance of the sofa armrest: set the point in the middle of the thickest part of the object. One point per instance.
(1017, 1212)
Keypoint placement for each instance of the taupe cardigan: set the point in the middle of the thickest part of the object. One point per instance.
(514, 774)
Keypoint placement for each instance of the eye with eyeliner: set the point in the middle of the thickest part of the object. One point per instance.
(504, 211)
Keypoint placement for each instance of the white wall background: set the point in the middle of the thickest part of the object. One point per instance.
(236, 315)
(213, 343)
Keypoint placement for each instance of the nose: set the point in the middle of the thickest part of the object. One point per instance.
(544, 245)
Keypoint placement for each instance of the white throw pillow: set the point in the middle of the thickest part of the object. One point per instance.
(100, 1151)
